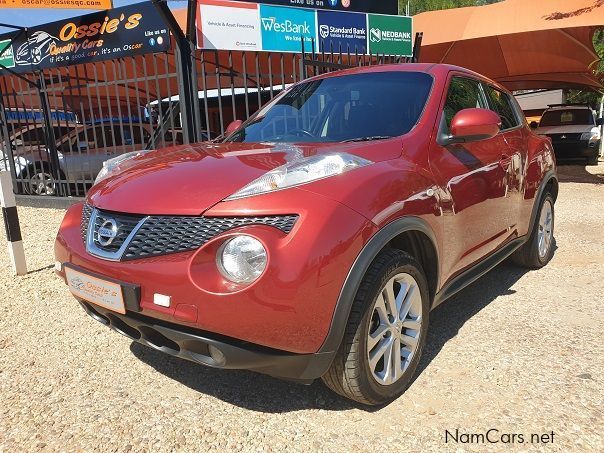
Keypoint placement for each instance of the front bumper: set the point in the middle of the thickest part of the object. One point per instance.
(289, 308)
(212, 350)
(575, 149)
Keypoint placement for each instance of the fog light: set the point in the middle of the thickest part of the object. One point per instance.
(241, 259)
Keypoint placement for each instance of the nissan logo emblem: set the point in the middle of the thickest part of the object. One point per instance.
(107, 232)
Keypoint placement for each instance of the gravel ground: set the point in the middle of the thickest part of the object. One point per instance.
(520, 352)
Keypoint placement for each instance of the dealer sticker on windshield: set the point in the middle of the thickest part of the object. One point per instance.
(95, 290)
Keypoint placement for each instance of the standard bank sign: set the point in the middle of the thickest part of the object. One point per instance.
(282, 28)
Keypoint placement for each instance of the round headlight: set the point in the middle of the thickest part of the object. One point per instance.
(241, 259)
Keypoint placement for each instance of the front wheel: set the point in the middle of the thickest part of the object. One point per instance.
(539, 248)
(386, 332)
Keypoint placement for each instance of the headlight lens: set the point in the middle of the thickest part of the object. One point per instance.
(115, 165)
(241, 259)
(301, 171)
(593, 135)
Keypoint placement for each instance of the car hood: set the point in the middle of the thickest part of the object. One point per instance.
(189, 179)
(571, 129)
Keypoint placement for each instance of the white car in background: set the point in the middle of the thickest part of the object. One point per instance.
(574, 131)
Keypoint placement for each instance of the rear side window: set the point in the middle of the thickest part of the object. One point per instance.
(570, 117)
(464, 93)
(502, 104)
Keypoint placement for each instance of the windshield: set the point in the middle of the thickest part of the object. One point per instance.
(571, 117)
(368, 106)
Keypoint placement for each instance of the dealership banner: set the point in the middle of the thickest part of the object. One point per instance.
(57, 4)
(284, 28)
(105, 35)
(342, 31)
(234, 25)
(229, 25)
(390, 35)
(363, 6)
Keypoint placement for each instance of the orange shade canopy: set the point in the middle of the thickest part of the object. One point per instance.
(523, 44)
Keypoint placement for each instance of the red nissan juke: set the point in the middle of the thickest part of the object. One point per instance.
(315, 239)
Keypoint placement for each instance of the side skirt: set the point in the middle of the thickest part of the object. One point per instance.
(476, 271)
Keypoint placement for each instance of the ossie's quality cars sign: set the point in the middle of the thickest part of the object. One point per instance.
(110, 34)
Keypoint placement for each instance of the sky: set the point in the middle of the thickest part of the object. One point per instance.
(35, 16)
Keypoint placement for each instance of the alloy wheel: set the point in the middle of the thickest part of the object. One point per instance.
(394, 329)
(546, 230)
(42, 183)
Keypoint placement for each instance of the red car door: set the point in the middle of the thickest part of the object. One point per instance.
(515, 136)
(473, 184)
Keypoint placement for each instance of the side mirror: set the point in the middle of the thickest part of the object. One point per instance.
(534, 125)
(471, 125)
(600, 122)
(233, 127)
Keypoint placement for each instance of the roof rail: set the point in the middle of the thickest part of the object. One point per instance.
(571, 104)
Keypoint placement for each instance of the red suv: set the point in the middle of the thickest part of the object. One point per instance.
(316, 238)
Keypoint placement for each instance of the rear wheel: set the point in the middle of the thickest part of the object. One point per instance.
(593, 160)
(386, 332)
(539, 248)
(38, 180)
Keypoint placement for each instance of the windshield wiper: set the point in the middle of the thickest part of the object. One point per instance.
(368, 139)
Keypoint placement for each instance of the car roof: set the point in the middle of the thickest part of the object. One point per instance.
(435, 69)
(568, 107)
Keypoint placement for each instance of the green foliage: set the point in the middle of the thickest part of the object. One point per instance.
(419, 6)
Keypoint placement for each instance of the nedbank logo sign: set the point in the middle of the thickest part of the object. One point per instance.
(282, 28)
(7, 57)
(375, 35)
(390, 35)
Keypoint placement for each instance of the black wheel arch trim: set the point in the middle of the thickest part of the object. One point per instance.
(358, 270)
(549, 176)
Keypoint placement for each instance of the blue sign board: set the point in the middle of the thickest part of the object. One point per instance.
(345, 31)
(282, 28)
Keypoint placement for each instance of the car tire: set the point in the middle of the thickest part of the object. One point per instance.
(358, 372)
(535, 254)
(593, 160)
(38, 180)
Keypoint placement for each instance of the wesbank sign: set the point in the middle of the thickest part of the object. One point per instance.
(236, 25)
(282, 28)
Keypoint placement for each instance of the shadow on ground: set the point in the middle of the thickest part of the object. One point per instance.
(264, 394)
(567, 172)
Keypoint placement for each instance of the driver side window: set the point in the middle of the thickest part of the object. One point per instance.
(463, 93)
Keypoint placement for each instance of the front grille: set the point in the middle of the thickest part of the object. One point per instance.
(125, 223)
(141, 237)
(163, 235)
(86, 213)
(565, 137)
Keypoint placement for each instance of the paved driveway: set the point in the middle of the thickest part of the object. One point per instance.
(518, 352)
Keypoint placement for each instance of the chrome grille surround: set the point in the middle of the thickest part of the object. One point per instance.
(151, 236)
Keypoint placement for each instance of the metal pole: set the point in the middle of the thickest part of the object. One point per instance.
(417, 46)
(11, 224)
(602, 126)
(187, 84)
(51, 141)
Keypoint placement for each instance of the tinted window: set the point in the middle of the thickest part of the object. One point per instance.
(567, 117)
(502, 104)
(463, 94)
(32, 137)
(381, 104)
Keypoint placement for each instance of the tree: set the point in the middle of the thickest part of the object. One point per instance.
(419, 6)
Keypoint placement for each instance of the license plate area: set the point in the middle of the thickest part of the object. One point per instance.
(96, 290)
